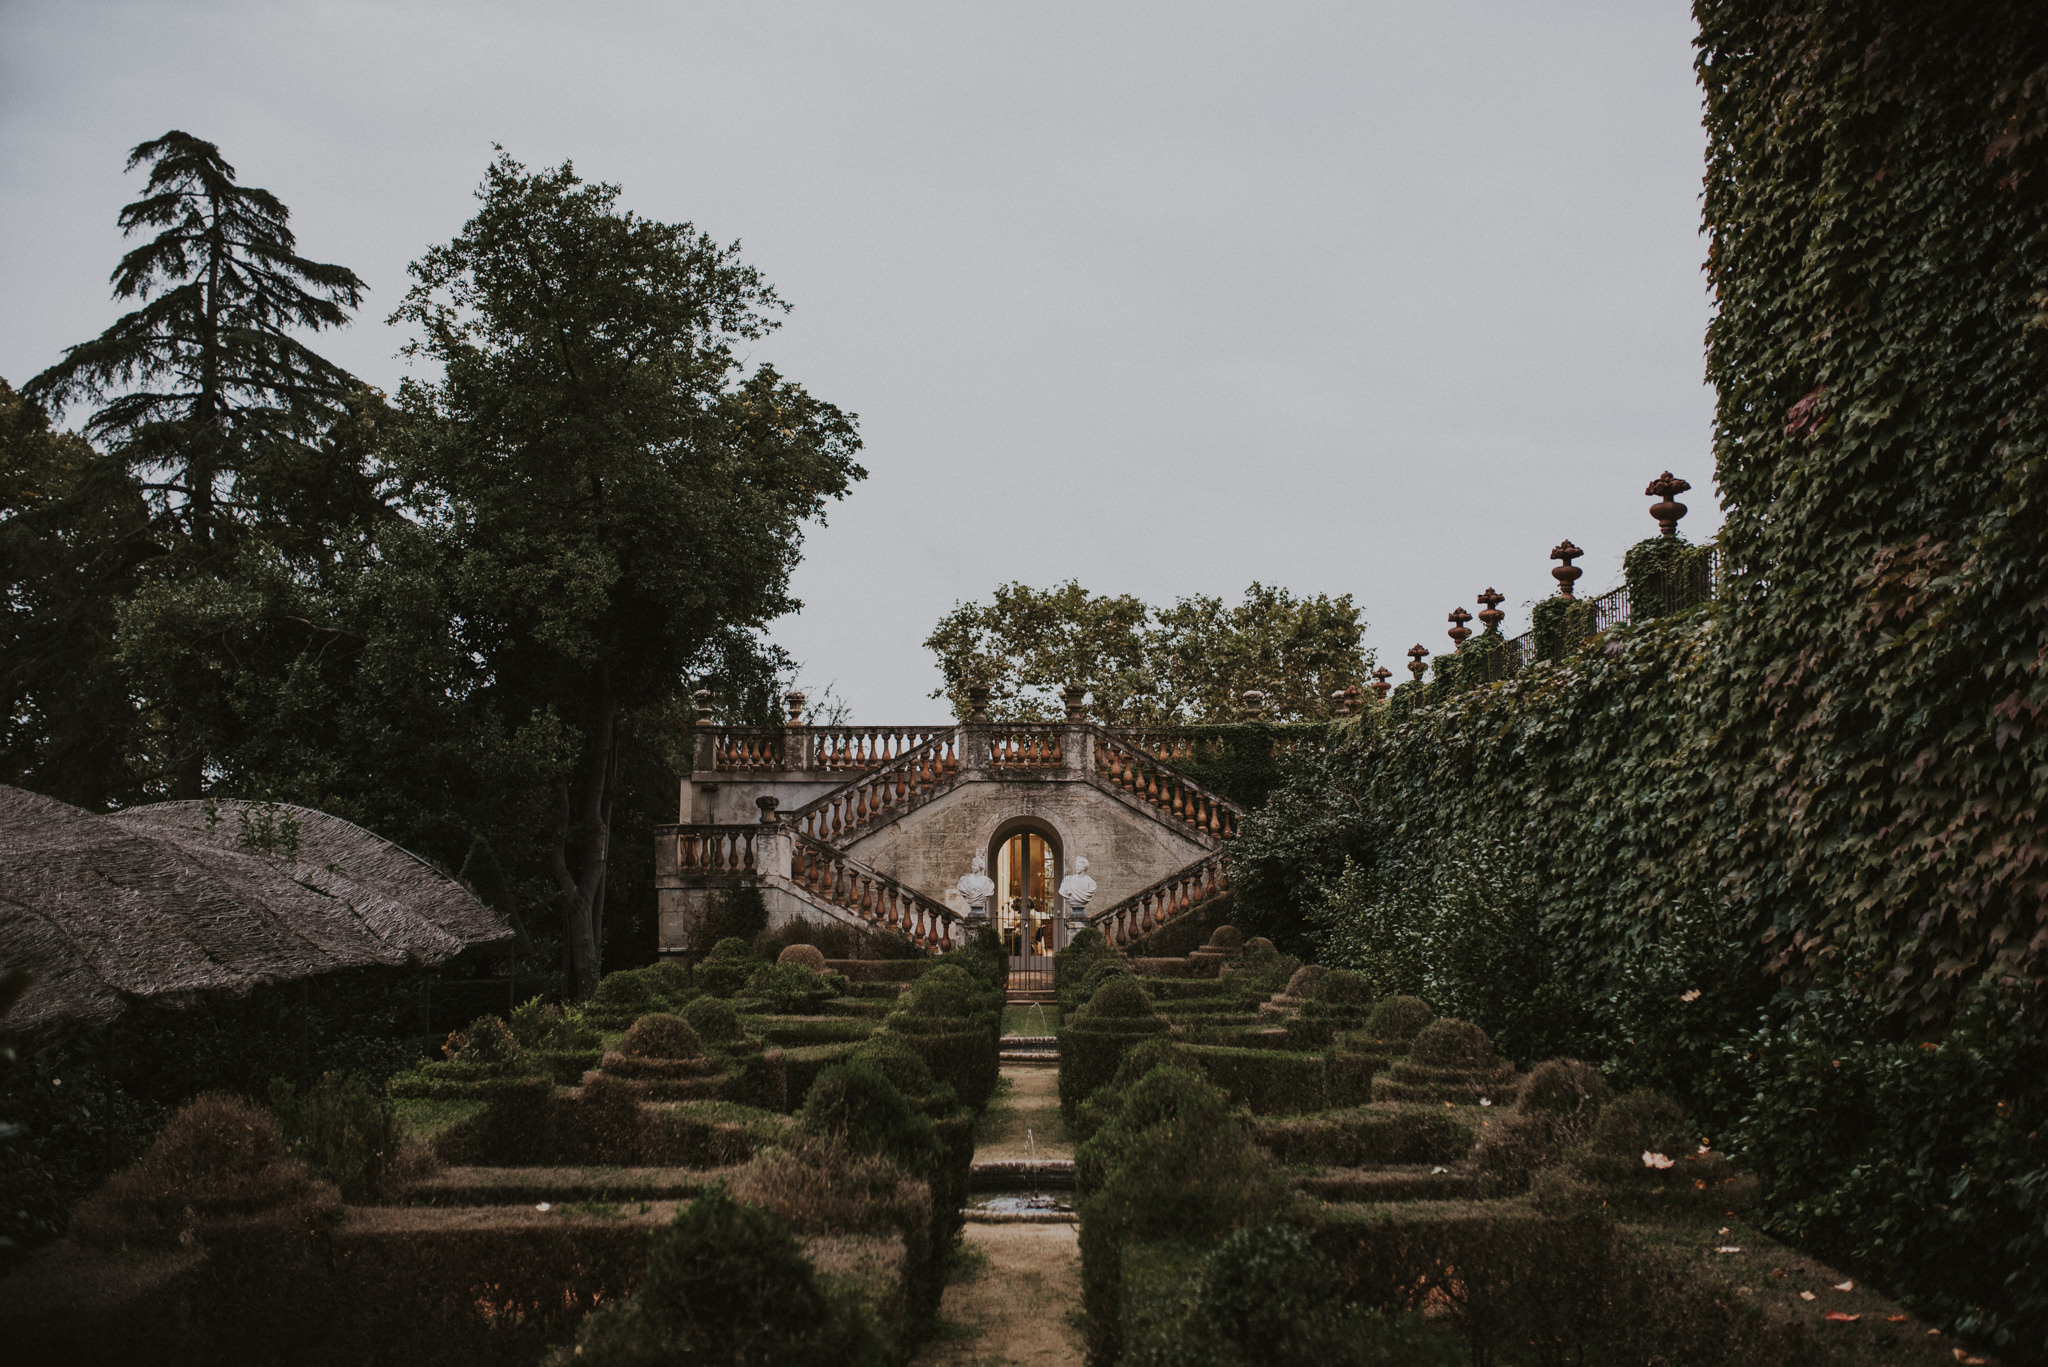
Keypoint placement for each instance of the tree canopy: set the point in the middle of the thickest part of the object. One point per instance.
(1191, 662)
(620, 503)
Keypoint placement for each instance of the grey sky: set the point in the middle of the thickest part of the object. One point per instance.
(1378, 298)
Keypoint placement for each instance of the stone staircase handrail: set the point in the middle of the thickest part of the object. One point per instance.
(1151, 907)
(858, 801)
(833, 876)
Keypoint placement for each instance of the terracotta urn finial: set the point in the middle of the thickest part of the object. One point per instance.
(1074, 696)
(977, 705)
(1254, 703)
(1567, 573)
(1665, 489)
(1459, 631)
(1490, 614)
(795, 700)
(702, 697)
(1417, 653)
(1380, 675)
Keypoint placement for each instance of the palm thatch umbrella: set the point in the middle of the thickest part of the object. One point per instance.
(172, 902)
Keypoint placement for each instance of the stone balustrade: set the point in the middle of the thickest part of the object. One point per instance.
(716, 851)
(1168, 790)
(1027, 745)
(1149, 908)
(888, 788)
(748, 747)
(841, 748)
(875, 898)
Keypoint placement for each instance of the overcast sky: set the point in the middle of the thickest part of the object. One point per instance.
(1371, 298)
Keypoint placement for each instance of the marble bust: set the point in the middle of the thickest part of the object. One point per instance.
(976, 886)
(1077, 887)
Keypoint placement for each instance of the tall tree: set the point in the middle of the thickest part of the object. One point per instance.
(622, 502)
(203, 391)
(1191, 662)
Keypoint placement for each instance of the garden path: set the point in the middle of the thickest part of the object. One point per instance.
(1011, 1302)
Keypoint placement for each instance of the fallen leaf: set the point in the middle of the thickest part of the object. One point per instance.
(1839, 1318)
(1655, 1160)
(1728, 1248)
(1896, 1319)
(1700, 1182)
(544, 1206)
(1722, 1230)
(1806, 1295)
(1690, 996)
(1963, 1356)
(1486, 1101)
(1845, 1286)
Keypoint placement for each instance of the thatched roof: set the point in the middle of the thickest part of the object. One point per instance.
(174, 901)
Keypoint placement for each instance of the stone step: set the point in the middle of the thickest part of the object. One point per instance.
(1005, 1174)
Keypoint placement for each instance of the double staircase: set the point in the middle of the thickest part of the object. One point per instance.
(891, 771)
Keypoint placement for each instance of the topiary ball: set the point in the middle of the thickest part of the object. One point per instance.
(1088, 940)
(1225, 937)
(1453, 1044)
(484, 1040)
(1564, 1087)
(1119, 999)
(714, 1020)
(1342, 987)
(809, 956)
(1399, 1018)
(902, 1065)
(1639, 1123)
(943, 990)
(661, 1036)
(731, 947)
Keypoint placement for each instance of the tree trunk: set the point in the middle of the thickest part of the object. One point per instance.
(586, 805)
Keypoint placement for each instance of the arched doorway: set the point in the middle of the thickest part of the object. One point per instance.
(1024, 858)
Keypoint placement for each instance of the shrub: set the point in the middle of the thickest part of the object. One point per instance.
(737, 913)
(1173, 1162)
(945, 990)
(898, 1061)
(714, 1021)
(803, 955)
(727, 1283)
(726, 969)
(1267, 1081)
(346, 1134)
(858, 1106)
(485, 1040)
(792, 988)
(1269, 1298)
(1560, 1102)
(1119, 998)
(219, 1166)
(538, 1024)
(623, 997)
(1453, 1044)
(661, 1036)
(1630, 1126)
(1342, 987)
(1397, 1020)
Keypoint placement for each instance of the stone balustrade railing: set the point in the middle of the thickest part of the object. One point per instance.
(1171, 792)
(748, 747)
(841, 748)
(892, 786)
(874, 897)
(1149, 908)
(704, 851)
(1027, 745)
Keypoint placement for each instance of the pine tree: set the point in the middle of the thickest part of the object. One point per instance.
(203, 392)
(203, 388)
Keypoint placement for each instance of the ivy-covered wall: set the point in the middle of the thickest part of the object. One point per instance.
(1786, 854)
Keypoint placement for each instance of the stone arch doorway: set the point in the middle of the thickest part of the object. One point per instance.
(1026, 860)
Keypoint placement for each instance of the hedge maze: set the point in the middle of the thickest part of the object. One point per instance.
(1277, 1168)
(751, 1161)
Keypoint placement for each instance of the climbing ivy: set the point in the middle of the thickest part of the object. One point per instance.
(1787, 852)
